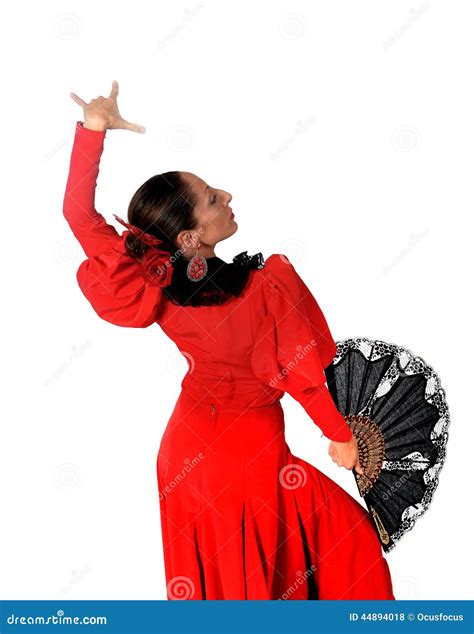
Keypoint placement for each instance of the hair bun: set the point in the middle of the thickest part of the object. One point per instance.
(146, 238)
(136, 247)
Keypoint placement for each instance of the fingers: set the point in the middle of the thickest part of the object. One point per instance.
(133, 127)
(78, 100)
(335, 458)
(358, 467)
(347, 464)
(115, 89)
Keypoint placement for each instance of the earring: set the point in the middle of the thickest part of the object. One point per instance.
(197, 267)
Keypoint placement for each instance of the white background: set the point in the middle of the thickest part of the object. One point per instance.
(344, 132)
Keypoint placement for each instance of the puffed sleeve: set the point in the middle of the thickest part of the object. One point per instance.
(122, 290)
(294, 344)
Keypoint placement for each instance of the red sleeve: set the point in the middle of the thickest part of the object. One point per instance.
(88, 226)
(120, 289)
(294, 345)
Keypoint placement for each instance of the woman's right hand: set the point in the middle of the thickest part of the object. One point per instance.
(346, 454)
(103, 113)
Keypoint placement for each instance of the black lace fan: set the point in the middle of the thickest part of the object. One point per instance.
(396, 408)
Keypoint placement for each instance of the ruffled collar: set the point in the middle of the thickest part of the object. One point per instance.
(222, 281)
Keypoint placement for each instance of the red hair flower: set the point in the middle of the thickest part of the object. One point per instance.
(156, 264)
(157, 268)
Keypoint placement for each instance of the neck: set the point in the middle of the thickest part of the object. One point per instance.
(206, 252)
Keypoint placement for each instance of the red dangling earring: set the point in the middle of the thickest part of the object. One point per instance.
(197, 267)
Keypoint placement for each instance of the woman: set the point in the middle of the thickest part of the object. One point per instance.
(242, 518)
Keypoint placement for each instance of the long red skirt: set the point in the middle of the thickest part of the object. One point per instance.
(243, 518)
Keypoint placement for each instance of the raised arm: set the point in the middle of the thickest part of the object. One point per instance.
(89, 226)
(120, 288)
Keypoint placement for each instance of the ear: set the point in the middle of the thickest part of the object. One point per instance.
(188, 240)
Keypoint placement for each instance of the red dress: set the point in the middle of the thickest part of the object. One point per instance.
(241, 516)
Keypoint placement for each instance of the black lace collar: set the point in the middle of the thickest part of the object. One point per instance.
(222, 281)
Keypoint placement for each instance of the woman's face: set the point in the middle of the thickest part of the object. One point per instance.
(215, 219)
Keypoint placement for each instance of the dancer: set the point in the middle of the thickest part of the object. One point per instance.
(241, 516)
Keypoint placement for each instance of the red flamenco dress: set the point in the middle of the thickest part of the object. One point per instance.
(241, 516)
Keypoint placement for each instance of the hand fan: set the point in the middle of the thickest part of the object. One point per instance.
(396, 408)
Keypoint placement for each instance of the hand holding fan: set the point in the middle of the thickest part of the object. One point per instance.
(396, 408)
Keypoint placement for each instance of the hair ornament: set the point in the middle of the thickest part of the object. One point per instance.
(147, 238)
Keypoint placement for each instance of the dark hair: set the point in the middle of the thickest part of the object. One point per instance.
(163, 206)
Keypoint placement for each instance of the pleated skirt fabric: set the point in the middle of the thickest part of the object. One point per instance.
(244, 518)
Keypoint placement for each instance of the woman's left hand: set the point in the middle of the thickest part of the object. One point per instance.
(103, 113)
(346, 454)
